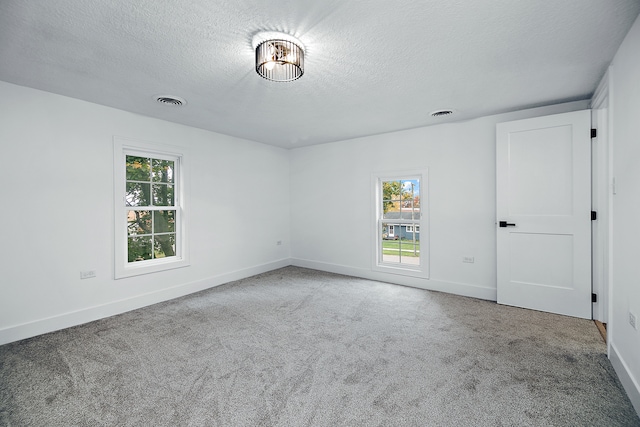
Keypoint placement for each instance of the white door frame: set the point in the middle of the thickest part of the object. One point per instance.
(602, 181)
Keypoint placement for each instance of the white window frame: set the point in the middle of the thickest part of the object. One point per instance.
(123, 147)
(422, 270)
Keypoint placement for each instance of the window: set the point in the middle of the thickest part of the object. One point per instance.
(149, 211)
(400, 214)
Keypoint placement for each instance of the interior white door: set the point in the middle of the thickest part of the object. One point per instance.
(544, 213)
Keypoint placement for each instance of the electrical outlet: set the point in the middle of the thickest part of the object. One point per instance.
(279, 243)
(87, 274)
(469, 259)
(632, 320)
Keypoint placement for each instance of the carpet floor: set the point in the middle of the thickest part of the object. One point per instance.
(298, 347)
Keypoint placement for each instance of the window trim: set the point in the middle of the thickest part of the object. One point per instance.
(121, 148)
(421, 271)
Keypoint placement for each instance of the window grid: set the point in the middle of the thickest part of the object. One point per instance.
(399, 198)
(150, 194)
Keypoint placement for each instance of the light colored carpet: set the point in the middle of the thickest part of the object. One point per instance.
(297, 347)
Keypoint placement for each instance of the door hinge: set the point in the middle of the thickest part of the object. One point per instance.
(594, 215)
(594, 133)
(594, 297)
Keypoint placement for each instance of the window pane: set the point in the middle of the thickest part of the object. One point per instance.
(164, 221)
(138, 222)
(408, 213)
(138, 168)
(393, 212)
(390, 246)
(163, 170)
(410, 249)
(400, 244)
(387, 231)
(401, 251)
(163, 195)
(391, 191)
(392, 215)
(139, 248)
(401, 199)
(391, 199)
(164, 245)
(138, 194)
(410, 195)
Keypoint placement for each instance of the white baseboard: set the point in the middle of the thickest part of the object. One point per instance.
(629, 383)
(74, 318)
(464, 289)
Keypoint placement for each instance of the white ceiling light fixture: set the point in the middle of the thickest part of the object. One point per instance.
(279, 57)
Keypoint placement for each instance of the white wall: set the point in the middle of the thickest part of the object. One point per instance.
(332, 211)
(57, 211)
(624, 99)
(57, 216)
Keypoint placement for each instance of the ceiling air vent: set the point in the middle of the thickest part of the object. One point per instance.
(171, 100)
(441, 113)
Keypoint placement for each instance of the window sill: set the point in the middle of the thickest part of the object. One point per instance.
(404, 270)
(147, 267)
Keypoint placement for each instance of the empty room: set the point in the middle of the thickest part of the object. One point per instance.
(338, 213)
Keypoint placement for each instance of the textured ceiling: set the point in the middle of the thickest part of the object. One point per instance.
(371, 66)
